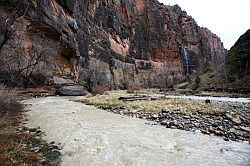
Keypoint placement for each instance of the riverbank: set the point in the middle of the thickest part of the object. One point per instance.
(20, 145)
(213, 116)
(91, 136)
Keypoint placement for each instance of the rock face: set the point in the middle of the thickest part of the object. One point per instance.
(62, 81)
(124, 43)
(238, 58)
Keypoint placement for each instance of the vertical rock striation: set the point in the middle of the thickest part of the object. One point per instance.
(125, 43)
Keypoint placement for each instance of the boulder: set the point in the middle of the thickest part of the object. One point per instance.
(207, 101)
(62, 81)
(74, 90)
(247, 129)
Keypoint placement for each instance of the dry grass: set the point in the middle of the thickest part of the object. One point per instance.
(183, 106)
(137, 91)
(133, 89)
(9, 101)
(15, 147)
(10, 109)
(13, 152)
(98, 89)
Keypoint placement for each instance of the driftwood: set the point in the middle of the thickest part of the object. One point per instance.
(136, 98)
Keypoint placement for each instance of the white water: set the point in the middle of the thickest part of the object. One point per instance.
(96, 137)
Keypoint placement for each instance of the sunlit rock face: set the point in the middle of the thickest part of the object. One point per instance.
(124, 43)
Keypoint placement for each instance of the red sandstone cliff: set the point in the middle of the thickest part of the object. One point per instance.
(119, 43)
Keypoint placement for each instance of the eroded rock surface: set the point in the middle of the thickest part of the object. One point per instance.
(122, 43)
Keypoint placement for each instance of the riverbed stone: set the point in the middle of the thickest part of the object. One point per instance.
(165, 122)
(211, 129)
(207, 101)
(155, 116)
(134, 111)
(245, 128)
(234, 118)
(173, 127)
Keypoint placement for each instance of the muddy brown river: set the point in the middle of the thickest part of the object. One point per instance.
(91, 136)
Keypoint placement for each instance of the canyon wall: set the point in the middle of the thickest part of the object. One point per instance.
(122, 43)
(238, 59)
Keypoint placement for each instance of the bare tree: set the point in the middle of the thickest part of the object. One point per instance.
(21, 62)
(222, 76)
(16, 12)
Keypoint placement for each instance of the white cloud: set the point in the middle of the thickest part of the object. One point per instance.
(227, 18)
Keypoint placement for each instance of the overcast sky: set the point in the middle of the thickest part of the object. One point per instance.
(227, 18)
